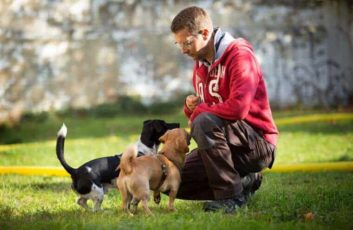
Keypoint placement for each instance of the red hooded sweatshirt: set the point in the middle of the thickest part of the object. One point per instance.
(233, 88)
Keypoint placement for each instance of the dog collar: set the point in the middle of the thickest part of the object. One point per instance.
(176, 164)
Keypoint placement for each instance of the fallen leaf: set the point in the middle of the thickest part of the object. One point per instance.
(309, 216)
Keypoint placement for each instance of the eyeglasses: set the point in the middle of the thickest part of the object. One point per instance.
(187, 43)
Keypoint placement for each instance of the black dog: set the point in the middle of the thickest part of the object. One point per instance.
(92, 179)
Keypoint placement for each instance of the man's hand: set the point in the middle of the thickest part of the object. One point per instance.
(192, 101)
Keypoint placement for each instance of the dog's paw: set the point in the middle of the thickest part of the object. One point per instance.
(171, 209)
(133, 208)
(157, 199)
(97, 209)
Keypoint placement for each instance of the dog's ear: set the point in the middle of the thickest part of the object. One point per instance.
(164, 137)
(181, 144)
(146, 121)
(172, 125)
(159, 127)
(147, 133)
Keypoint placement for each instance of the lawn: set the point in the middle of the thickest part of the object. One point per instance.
(285, 201)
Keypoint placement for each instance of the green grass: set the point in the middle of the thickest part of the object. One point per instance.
(281, 203)
(35, 202)
(325, 140)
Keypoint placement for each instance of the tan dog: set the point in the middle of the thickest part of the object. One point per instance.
(160, 172)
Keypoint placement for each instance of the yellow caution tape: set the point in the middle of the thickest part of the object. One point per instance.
(346, 166)
(33, 170)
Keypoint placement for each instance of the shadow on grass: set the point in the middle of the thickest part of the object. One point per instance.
(110, 218)
(337, 128)
(47, 187)
(344, 157)
(65, 219)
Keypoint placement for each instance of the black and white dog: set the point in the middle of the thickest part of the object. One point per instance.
(92, 179)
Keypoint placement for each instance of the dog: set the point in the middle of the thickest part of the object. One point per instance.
(94, 178)
(160, 173)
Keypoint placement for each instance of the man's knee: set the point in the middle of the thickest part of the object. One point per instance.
(203, 128)
(206, 122)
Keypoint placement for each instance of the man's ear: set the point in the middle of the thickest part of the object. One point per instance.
(204, 33)
(164, 137)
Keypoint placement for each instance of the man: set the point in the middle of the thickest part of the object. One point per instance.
(230, 116)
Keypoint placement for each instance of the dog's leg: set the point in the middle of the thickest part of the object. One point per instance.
(98, 195)
(133, 205)
(124, 199)
(156, 197)
(172, 195)
(97, 204)
(123, 193)
(128, 202)
(82, 202)
(106, 188)
(145, 207)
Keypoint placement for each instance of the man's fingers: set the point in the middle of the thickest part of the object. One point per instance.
(195, 99)
(192, 101)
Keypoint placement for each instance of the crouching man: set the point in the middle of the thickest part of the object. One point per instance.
(230, 115)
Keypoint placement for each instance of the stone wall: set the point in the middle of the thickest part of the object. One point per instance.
(57, 54)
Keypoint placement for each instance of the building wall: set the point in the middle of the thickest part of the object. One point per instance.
(55, 54)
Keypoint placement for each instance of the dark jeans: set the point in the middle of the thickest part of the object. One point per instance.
(226, 152)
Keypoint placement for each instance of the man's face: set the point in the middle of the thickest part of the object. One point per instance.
(190, 44)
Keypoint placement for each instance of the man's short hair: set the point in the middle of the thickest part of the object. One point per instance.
(193, 18)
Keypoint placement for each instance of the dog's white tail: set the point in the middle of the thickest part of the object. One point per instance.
(63, 131)
(60, 141)
(127, 158)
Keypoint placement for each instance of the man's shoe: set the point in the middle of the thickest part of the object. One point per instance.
(251, 183)
(227, 205)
